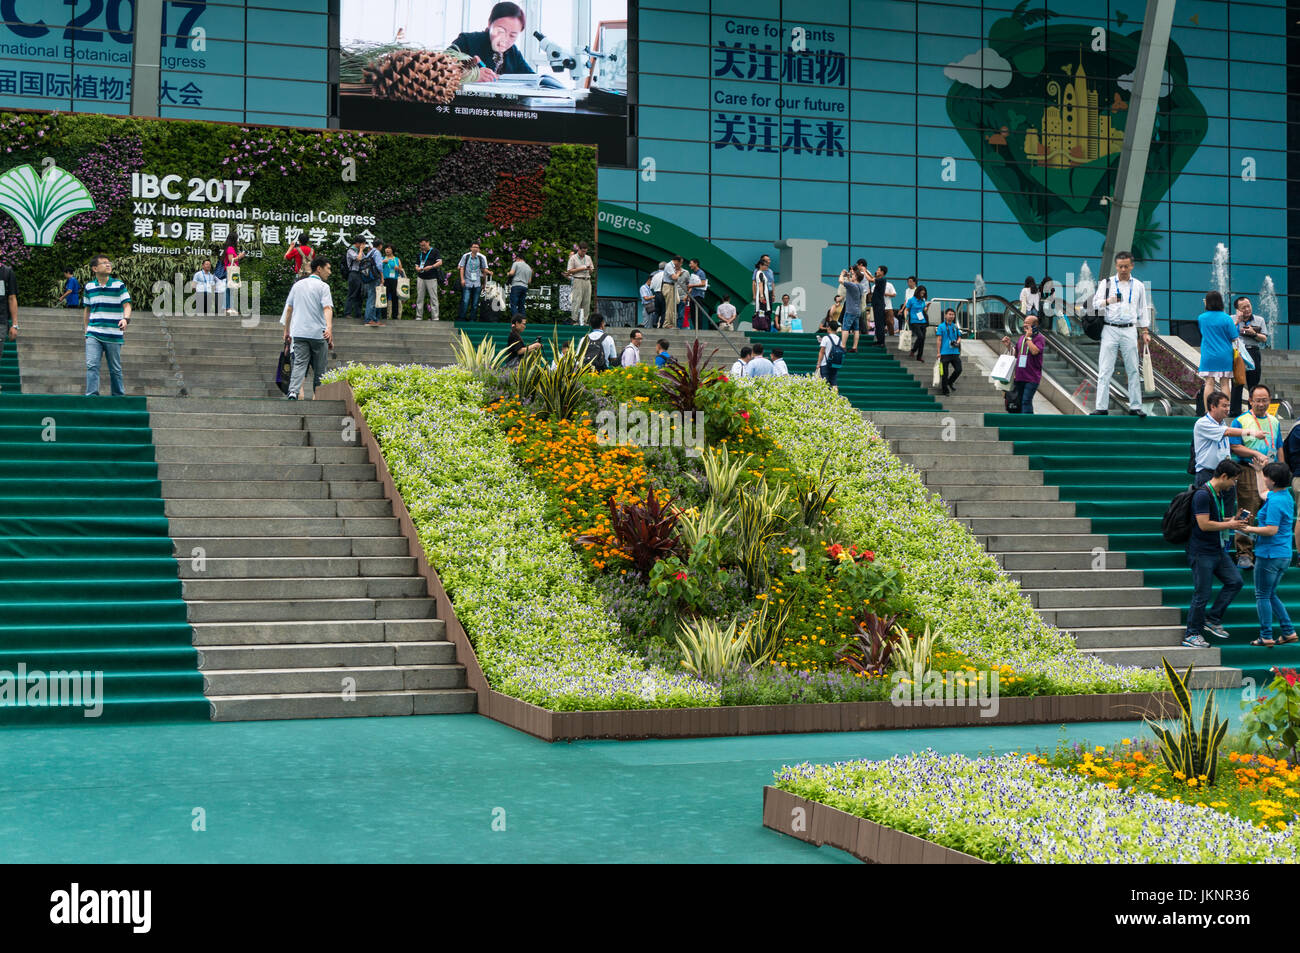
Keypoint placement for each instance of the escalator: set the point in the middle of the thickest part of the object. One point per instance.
(1071, 357)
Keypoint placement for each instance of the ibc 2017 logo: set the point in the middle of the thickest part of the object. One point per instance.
(40, 204)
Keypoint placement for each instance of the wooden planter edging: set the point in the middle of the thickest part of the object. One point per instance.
(873, 843)
(730, 720)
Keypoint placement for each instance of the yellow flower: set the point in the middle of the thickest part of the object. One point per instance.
(1180, 776)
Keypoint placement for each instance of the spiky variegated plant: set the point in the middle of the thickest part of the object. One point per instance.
(480, 361)
(40, 204)
(1193, 751)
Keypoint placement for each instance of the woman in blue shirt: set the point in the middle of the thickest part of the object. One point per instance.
(949, 350)
(916, 321)
(1218, 331)
(1273, 529)
(392, 268)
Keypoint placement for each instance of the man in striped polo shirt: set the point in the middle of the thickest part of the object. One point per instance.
(106, 314)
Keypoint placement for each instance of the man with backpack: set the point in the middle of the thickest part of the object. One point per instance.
(601, 352)
(1213, 521)
(830, 354)
(473, 268)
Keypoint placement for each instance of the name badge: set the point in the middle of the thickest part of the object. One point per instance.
(1024, 360)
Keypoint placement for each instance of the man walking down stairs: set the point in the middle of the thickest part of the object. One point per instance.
(303, 596)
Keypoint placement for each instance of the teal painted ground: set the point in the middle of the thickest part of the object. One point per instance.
(424, 789)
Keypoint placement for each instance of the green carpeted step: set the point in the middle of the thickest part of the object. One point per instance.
(93, 612)
(122, 436)
(94, 525)
(118, 709)
(1085, 422)
(71, 488)
(104, 470)
(77, 506)
(61, 451)
(117, 658)
(89, 590)
(99, 634)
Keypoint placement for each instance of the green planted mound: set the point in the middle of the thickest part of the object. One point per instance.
(1013, 810)
(1121, 472)
(763, 548)
(88, 582)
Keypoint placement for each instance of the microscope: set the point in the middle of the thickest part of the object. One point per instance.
(560, 58)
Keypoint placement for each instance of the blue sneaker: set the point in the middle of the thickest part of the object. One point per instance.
(1217, 630)
(1195, 642)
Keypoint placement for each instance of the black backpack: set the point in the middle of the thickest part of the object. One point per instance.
(1191, 459)
(836, 357)
(596, 353)
(369, 270)
(1176, 527)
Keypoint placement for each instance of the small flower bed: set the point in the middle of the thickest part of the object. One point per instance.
(953, 584)
(1257, 789)
(1008, 810)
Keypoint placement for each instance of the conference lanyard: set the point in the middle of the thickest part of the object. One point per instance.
(425, 256)
(1268, 436)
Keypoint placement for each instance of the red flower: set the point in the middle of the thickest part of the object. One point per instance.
(1290, 675)
(744, 414)
(680, 575)
(723, 377)
(869, 556)
(834, 551)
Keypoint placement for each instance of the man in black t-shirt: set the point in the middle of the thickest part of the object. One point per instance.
(515, 346)
(9, 296)
(428, 277)
(1214, 512)
(878, 303)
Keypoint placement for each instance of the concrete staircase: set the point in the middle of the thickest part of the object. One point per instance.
(1068, 572)
(303, 596)
(973, 393)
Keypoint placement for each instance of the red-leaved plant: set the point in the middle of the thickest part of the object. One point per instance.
(680, 381)
(645, 532)
(871, 647)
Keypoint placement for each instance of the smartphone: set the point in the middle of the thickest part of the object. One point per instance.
(1244, 515)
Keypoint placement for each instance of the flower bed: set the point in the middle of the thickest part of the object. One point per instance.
(1008, 810)
(539, 628)
(953, 583)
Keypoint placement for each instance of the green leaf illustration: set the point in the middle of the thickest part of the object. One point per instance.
(41, 204)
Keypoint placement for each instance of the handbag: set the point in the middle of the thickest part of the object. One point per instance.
(1148, 371)
(381, 296)
(1238, 368)
(403, 287)
(761, 321)
(1004, 370)
(905, 340)
(232, 276)
(284, 368)
(937, 377)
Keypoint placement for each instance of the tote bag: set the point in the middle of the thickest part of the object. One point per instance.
(937, 377)
(905, 340)
(1004, 370)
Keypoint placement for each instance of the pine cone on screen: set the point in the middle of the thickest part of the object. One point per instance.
(415, 76)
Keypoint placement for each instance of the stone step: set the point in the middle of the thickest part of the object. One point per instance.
(885, 418)
(1031, 543)
(1140, 636)
(285, 526)
(317, 633)
(949, 475)
(251, 423)
(246, 405)
(308, 610)
(331, 655)
(940, 462)
(219, 439)
(285, 547)
(377, 678)
(1179, 656)
(1039, 579)
(1091, 618)
(1080, 598)
(1008, 493)
(267, 508)
(298, 568)
(197, 453)
(225, 472)
(268, 489)
(940, 432)
(1020, 509)
(335, 705)
(930, 448)
(359, 587)
(1059, 561)
(1036, 526)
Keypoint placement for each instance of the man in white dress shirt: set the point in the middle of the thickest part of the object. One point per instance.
(1122, 299)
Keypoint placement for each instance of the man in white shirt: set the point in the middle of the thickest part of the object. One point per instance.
(671, 267)
(785, 313)
(597, 338)
(746, 355)
(759, 366)
(1210, 443)
(632, 351)
(647, 305)
(779, 368)
(889, 307)
(580, 269)
(726, 313)
(763, 283)
(657, 288)
(205, 285)
(309, 323)
(1123, 301)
